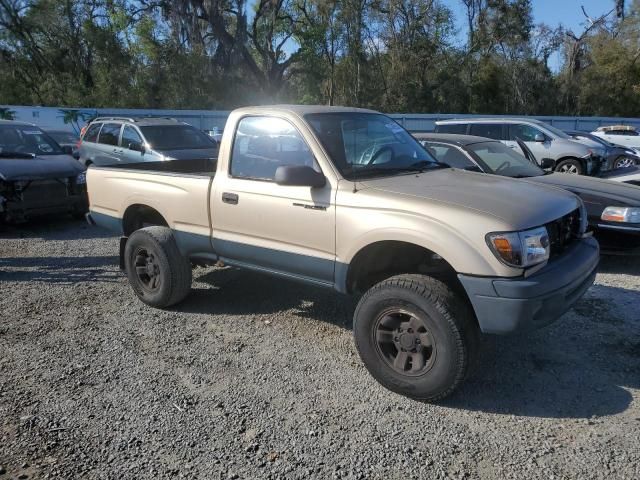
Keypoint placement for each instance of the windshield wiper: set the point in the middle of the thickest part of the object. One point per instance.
(7, 154)
(419, 167)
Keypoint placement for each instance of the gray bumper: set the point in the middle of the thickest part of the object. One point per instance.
(504, 305)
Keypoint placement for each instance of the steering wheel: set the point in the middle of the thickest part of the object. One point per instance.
(379, 152)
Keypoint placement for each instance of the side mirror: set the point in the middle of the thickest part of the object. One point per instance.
(137, 147)
(299, 176)
(539, 138)
(68, 149)
(547, 163)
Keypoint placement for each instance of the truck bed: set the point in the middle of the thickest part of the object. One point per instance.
(201, 166)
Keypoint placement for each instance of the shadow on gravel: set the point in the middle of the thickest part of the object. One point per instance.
(629, 265)
(61, 270)
(53, 228)
(576, 368)
(238, 292)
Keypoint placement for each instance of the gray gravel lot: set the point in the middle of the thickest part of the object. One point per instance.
(253, 377)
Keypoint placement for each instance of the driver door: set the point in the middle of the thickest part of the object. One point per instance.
(257, 223)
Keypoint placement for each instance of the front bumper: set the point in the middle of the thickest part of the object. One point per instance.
(505, 305)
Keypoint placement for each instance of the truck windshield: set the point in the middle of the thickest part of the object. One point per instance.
(26, 139)
(369, 144)
(176, 137)
(497, 158)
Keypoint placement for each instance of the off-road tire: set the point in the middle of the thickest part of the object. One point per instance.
(570, 166)
(445, 313)
(173, 269)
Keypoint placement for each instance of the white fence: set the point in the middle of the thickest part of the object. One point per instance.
(61, 118)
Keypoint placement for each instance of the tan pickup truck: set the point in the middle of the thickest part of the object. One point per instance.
(346, 199)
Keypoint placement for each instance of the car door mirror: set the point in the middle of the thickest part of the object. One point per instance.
(547, 163)
(299, 176)
(137, 147)
(68, 149)
(539, 138)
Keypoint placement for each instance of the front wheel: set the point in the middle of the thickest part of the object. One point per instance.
(416, 336)
(158, 273)
(623, 162)
(571, 165)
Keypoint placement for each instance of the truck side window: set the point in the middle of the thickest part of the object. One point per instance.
(262, 144)
(488, 130)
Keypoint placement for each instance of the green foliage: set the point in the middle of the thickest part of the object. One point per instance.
(393, 55)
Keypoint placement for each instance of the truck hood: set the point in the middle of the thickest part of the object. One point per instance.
(520, 204)
(616, 193)
(39, 168)
(190, 153)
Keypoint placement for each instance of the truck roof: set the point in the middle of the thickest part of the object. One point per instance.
(302, 109)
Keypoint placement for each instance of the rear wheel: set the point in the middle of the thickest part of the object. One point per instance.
(159, 274)
(571, 165)
(416, 336)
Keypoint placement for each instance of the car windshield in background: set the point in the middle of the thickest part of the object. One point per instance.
(63, 137)
(497, 158)
(26, 139)
(556, 131)
(176, 137)
(369, 144)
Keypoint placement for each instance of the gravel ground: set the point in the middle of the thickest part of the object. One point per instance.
(253, 377)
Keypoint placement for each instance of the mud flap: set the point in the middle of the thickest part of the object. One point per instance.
(123, 244)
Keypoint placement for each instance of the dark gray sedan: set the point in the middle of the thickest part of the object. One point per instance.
(613, 208)
(37, 176)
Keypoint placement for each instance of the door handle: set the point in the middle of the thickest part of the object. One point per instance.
(230, 198)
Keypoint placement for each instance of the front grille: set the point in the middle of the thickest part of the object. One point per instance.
(44, 193)
(563, 232)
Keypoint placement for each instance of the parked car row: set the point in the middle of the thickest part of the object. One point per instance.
(572, 152)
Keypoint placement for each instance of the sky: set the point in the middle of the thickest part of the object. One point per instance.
(552, 12)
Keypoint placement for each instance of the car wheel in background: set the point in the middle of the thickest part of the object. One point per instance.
(159, 274)
(623, 162)
(416, 336)
(571, 165)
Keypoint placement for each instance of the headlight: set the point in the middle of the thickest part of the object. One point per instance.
(521, 249)
(621, 214)
(81, 179)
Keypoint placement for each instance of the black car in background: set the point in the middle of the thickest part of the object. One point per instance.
(37, 176)
(613, 208)
(616, 156)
